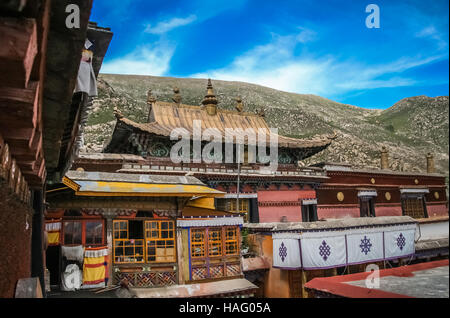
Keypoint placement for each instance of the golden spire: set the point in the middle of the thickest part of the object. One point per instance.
(210, 100)
(117, 113)
(176, 96)
(239, 106)
(150, 98)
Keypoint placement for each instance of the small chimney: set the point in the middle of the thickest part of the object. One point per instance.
(430, 163)
(210, 100)
(384, 158)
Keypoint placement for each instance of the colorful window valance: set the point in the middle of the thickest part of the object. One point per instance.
(53, 229)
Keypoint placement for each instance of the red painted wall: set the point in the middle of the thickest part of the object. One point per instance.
(273, 205)
(15, 242)
(388, 210)
(437, 210)
(337, 212)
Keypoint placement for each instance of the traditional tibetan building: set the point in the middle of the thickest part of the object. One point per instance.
(42, 107)
(332, 201)
(263, 197)
(143, 231)
(356, 204)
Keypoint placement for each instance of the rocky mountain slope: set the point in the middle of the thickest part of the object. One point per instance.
(409, 129)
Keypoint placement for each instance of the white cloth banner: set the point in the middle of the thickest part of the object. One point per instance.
(323, 252)
(362, 248)
(399, 243)
(73, 253)
(286, 253)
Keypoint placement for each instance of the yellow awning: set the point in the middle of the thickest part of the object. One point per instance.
(109, 188)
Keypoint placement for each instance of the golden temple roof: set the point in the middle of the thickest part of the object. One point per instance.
(165, 117)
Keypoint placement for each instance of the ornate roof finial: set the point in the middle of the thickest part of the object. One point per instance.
(239, 106)
(210, 100)
(176, 97)
(261, 112)
(150, 98)
(118, 113)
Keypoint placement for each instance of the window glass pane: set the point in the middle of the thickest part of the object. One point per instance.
(159, 248)
(94, 232)
(72, 232)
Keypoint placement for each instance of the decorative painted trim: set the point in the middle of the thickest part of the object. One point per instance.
(279, 203)
(367, 193)
(309, 202)
(241, 196)
(219, 221)
(414, 191)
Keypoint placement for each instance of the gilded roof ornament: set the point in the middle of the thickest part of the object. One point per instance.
(333, 136)
(239, 106)
(261, 112)
(117, 113)
(210, 100)
(176, 95)
(150, 98)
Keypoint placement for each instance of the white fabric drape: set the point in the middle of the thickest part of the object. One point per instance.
(323, 252)
(73, 253)
(286, 253)
(363, 248)
(399, 243)
(335, 248)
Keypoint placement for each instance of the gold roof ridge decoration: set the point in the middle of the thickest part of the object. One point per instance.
(210, 100)
(167, 116)
(176, 95)
(150, 98)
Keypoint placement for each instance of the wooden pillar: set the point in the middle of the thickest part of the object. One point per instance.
(109, 243)
(304, 281)
(37, 238)
(181, 256)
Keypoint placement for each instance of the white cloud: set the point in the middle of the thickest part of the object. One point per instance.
(166, 26)
(275, 65)
(144, 60)
(432, 33)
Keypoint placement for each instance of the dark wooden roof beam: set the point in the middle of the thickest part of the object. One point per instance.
(18, 50)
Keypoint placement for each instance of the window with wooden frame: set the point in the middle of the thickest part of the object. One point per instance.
(414, 206)
(367, 207)
(215, 241)
(231, 241)
(73, 233)
(198, 243)
(309, 213)
(126, 249)
(88, 232)
(229, 205)
(160, 241)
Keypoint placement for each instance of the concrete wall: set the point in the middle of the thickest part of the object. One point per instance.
(432, 230)
(15, 242)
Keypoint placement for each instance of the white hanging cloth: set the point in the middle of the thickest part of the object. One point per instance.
(286, 253)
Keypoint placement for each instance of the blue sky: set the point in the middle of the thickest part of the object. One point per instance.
(305, 46)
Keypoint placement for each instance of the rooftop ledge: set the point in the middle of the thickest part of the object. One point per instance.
(330, 224)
